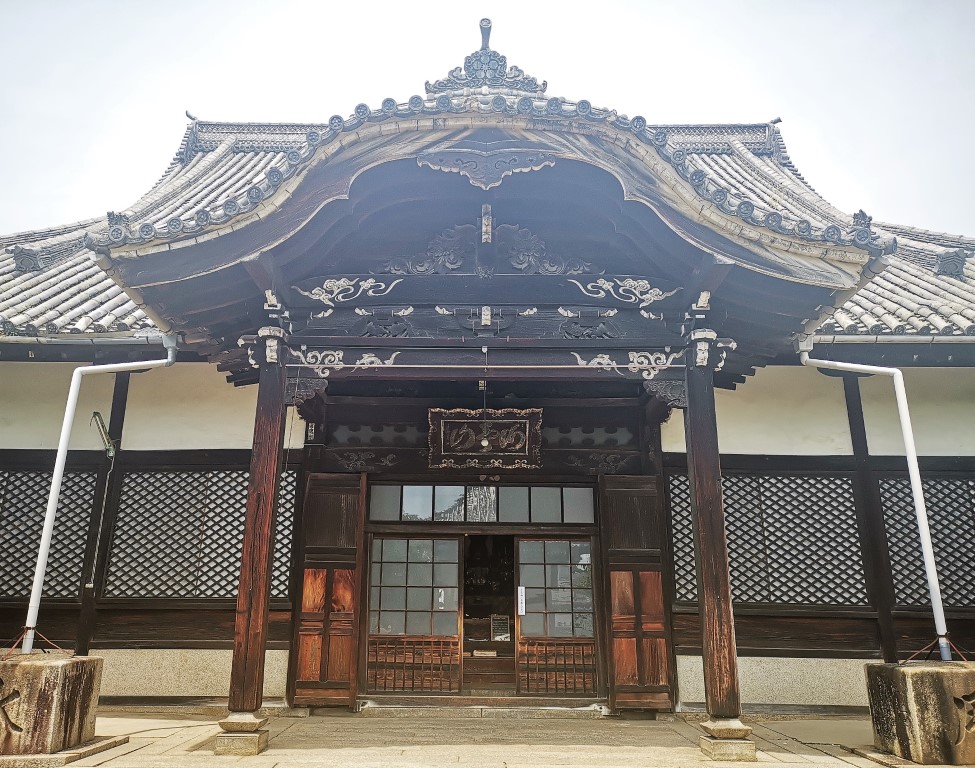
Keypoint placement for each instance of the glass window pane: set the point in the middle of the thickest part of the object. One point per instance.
(421, 550)
(445, 623)
(559, 599)
(583, 624)
(582, 600)
(533, 624)
(394, 550)
(417, 623)
(374, 598)
(377, 550)
(392, 623)
(560, 624)
(448, 502)
(419, 598)
(384, 502)
(394, 574)
(556, 552)
(581, 552)
(531, 551)
(578, 505)
(482, 504)
(513, 504)
(393, 598)
(445, 598)
(376, 573)
(420, 575)
(533, 576)
(445, 574)
(558, 576)
(417, 502)
(582, 576)
(374, 622)
(445, 550)
(535, 599)
(546, 505)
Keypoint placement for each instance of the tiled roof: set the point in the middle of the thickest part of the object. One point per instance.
(50, 284)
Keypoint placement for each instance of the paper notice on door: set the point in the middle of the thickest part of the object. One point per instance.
(521, 601)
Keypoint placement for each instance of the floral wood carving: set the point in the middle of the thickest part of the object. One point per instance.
(337, 290)
(485, 170)
(506, 438)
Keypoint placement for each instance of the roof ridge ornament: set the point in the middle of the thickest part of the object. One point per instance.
(486, 68)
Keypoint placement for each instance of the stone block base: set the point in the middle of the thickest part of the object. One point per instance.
(47, 702)
(924, 711)
(65, 756)
(740, 750)
(240, 744)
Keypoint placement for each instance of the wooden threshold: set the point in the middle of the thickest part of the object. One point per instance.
(386, 700)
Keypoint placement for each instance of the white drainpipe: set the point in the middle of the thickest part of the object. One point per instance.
(52, 500)
(930, 568)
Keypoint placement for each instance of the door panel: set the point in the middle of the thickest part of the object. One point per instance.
(324, 669)
(632, 532)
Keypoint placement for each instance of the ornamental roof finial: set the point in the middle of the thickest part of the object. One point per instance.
(485, 34)
(486, 68)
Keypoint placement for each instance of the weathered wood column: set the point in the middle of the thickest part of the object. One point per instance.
(711, 546)
(244, 727)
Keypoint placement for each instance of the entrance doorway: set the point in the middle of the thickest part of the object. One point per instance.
(489, 616)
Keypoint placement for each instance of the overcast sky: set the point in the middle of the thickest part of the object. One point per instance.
(876, 96)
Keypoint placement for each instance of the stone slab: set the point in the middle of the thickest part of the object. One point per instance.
(924, 711)
(240, 744)
(733, 750)
(47, 702)
(79, 752)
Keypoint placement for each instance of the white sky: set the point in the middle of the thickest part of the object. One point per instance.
(876, 96)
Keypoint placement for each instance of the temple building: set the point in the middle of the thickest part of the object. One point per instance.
(488, 395)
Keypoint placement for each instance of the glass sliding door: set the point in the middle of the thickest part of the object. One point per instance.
(414, 631)
(556, 626)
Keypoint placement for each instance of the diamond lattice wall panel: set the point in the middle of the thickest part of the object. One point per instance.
(180, 535)
(813, 544)
(23, 502)
(284, 529)
(747, 544)
(158, 535)
(791, 539)
(950, 504)
(685, 578)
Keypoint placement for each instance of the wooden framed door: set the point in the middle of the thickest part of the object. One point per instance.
(325, 648)
(640, 646)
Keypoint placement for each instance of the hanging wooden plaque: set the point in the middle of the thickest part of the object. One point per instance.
(505, 438)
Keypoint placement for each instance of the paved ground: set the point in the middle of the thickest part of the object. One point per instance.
(345, 740)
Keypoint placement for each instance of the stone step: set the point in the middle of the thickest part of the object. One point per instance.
(501, 708)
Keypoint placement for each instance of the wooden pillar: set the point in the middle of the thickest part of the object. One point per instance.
(707, 509)
(267, 458)
(870, 524)
(104, 511)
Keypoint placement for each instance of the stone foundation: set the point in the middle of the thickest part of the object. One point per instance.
(47, 702)
(924, 711)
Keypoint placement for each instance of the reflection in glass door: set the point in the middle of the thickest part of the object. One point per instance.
(556, 628)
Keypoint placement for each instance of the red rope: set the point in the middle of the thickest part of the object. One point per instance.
(37, 632)
(930, 647)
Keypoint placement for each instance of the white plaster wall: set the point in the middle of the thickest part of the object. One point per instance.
(192, 406)
(32, 401)
(182, 672)
(942, 405)
(791, 681)
(781, 410)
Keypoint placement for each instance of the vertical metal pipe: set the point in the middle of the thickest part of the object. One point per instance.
(914, 472)
(50, 515)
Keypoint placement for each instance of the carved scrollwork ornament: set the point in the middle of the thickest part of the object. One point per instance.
(672, 392)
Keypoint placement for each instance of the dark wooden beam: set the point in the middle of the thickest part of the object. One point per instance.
(253, 596)
(707, 509)
(870, 524)
(104, 509)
